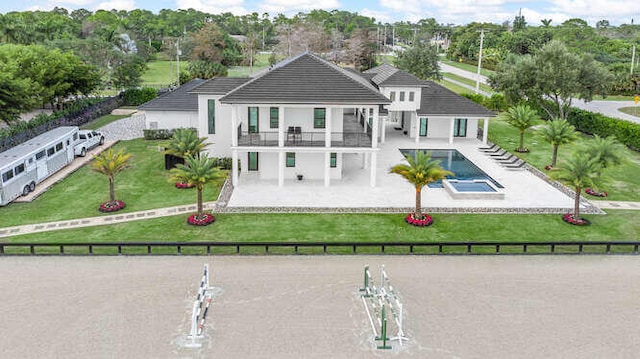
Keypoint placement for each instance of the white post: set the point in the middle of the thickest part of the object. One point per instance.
(193, 335)
(281, 160)
(417, 129)
(234, 125)
(280, 126)
(327, 169)
(485, 131)
(479, 61)
(374, 165)
(451, 127)
(206, 278)
(234, 168)
(375, 127)
(327, 127)
(383, 134)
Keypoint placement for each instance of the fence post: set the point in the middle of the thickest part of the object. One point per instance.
(383, 330)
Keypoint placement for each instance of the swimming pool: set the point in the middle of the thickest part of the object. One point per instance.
(456, 162)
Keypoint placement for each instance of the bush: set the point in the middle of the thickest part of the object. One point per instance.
(157, 134)
(591, 123)
(475, 97)
(224, 163)
(136, 97)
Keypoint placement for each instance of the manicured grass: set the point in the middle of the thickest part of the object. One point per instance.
(467, 67)
(467, 81)
(619, 225)
(261, 62)
(616, 98)
(633, 110)
(103, 121)
(454, 87)
(161, 73)
(143, 186)
(625, 179)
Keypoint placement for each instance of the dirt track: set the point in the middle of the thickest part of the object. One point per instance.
(309, 307)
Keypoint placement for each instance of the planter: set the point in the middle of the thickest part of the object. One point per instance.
(593, 192)
(425, 221)
(111, 206)
(204, 219)
(570, 218)
(300, 177)
(183, 185)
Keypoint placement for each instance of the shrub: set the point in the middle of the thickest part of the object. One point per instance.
(475, 97)
(591, 123)
(157, 134)
(136, 97)
(224, 163)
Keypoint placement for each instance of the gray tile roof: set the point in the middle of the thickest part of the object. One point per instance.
(381, 72)
(387, 75)
(306, 79)
(179, 99)
(438, 100)
(220, 85)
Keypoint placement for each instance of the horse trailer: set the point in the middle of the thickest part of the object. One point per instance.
(31, 162)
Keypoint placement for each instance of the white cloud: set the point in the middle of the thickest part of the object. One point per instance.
(117, 4)
(217, 7)
(294, 6)
(380, 16)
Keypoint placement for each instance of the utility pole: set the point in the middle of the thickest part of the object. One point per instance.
(479, 61)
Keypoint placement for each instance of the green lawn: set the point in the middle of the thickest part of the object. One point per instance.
(632, 110)
(467, 67)
(625, 178)
(103, 121)
(161, 73)
(454, 87)
(619, 225)
(466, 81)
(143, 186)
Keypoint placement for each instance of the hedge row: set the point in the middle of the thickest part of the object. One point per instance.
(591, 123)
(136, 97)
(157, 134)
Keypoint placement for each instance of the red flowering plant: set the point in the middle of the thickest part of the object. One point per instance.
(571, 219)
(425, 221)
(111, 206)
(595, 193)
(182, 185)
(202, 219)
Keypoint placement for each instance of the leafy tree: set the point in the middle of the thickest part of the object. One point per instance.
(15, 93)
(420, 171)
(198, 172)
(552, 73)
(521, 117)
(110, 163)
(129, 72)
(607, 151)
(421, 61)
(558, 132)
(361, 49)
(211, 44)
(580, 171)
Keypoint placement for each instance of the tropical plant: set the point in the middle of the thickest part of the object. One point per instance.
(420, 171)
(579, 171)
(521, 117)
(197, 171)
(558, 132)
(607, 151)
(110, 163)
(185, 142)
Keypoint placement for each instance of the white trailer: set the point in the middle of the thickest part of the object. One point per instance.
(29, 163)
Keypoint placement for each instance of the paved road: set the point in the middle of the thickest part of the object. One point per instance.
(464, 73)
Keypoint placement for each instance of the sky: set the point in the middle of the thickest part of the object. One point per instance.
(444, 11)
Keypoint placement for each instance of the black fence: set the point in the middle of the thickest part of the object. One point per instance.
(314, 248)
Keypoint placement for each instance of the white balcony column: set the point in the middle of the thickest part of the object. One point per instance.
(374, 166)
(327, 169)
(234, 167)
(364, 160)
(281, 160)
(234, 126)
(327, 128)
(416, 128)
(365, 119)
(280, 126)
(451, 127)
(375, 131)
(485, 131)
(383, 132)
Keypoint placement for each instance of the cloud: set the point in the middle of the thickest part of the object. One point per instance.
(294, 6)
(117, 4)
(217, 7)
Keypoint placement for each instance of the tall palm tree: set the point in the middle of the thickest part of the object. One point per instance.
(580, 171)
(197, 171)
(185, 142)
(558, 132)
(420, 171)
(521, 117)
(607, 151)
(110, 163)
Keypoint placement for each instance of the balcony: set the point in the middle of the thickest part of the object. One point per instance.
(298, 138)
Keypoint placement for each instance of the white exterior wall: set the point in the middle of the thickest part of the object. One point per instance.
(293, 117)
(405, 105)
(220, 142)
(310, 165)
(171, 119)
(438, 127)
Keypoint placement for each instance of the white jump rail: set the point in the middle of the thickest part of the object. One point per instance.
(200, 310)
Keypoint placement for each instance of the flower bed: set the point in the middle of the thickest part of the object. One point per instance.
(184, 185)
(593, 192)
(111, 206)
(571, 219)
(424, 222)
(201, 220)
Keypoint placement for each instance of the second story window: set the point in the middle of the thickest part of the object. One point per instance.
(412, 96)
(401, 96)
(211, 117)
(319, 117)
(392, 96)
(273, 117)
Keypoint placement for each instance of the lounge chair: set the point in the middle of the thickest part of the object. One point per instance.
(493, 150)
(499, 154)
(508, 158)
(492, 147)
(516, 166)
(511, 161)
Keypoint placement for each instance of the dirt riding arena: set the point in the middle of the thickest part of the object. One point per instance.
(310, 307)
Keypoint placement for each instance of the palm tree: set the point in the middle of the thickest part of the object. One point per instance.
(521, 117)
(579, 171)
(185, 142)
(607, 151)
(110, 163)
(197, 171)
(420, 171)
(558, 132)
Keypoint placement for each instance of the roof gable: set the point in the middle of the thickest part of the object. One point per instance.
(305, 79)
(438, 100)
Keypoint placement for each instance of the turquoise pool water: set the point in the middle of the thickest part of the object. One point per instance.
(470, 186)
(456, 162)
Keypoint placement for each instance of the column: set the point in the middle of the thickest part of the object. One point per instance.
(234, 126)
(327, 127)
(327, 169)
(234, 167)
(280, 126)
(485, 131)
(375, 130)
(383, 133)
(417, 129)
(451, 127)
(374, 166)
(281, 159)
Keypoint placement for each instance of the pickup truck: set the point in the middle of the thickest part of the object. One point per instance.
(87, 139)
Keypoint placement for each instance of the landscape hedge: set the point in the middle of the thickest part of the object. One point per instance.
(136, 97)
(591, 123)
